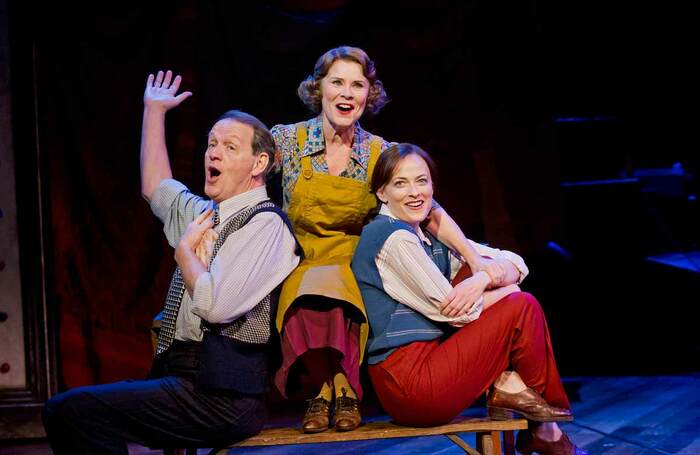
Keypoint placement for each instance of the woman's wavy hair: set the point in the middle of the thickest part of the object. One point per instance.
(309, 90)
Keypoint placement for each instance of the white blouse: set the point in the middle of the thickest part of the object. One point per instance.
(411, 277)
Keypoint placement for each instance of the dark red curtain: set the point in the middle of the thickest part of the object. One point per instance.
(477, 84)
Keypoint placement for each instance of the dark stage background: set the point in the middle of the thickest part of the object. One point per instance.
(511, 99)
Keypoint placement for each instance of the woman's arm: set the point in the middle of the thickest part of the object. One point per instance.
(491, 297)
(409, 276)
(442, 226)
(513, 265)
(461, 298)
(513, 268)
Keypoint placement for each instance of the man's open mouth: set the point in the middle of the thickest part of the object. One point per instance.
(213, 172)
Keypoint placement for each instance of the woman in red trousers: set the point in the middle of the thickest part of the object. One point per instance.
(431, 357)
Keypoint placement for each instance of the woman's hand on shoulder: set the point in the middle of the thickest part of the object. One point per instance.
(465, 294)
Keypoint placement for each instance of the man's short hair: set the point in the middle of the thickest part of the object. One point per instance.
(262, 139)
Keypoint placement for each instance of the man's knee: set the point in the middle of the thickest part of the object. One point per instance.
(64, 405)
(50, 410)
(61, 416)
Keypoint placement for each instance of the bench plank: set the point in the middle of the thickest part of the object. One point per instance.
(380, 430)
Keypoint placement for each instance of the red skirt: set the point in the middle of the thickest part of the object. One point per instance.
(317, 343)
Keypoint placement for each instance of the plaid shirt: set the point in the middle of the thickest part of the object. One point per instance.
(288, 157)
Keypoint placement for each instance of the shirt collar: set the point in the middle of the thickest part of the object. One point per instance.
(386, 211)
(316, 143)
(235, 204)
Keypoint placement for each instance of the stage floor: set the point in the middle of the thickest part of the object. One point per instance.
(614, 415)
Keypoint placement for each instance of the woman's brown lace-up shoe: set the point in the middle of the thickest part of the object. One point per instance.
(527, 442)
(316, 417)
(528, 403)
(347, 412)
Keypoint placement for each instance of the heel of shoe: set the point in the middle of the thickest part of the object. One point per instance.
(500, 413)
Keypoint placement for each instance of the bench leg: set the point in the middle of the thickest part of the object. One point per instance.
(489, 443)
(466, 447)
(509, 442)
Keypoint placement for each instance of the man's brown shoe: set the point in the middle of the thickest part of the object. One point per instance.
(316, 417)
(527, 442)
(347, 413)
(528, 403)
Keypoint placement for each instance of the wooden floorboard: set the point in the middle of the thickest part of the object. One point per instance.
(667, 426)
(659, 414)
(635, 415)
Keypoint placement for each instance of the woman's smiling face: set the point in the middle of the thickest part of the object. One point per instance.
(344, 93)
(409, 191)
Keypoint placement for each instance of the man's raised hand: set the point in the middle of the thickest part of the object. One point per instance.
(161, 89)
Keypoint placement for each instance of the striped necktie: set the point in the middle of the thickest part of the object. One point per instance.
(176, 291)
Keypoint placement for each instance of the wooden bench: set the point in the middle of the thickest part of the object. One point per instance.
(488, 435)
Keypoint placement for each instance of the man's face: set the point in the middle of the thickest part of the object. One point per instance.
(229, 160)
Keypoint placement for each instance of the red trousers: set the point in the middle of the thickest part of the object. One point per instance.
(428, 383)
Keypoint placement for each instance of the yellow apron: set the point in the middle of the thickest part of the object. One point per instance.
(328, 213)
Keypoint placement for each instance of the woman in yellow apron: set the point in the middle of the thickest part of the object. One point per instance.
(326, 164)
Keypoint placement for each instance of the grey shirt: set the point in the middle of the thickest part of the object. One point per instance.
(251, 263)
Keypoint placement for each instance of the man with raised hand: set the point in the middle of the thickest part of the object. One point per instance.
(210, 374)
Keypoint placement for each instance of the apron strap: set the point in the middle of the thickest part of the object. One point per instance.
(306, 169)
(375, 148)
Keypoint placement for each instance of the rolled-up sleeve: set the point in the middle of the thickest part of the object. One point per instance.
(457, 261)
(251, 263)
(174, 204)
(495, 253)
